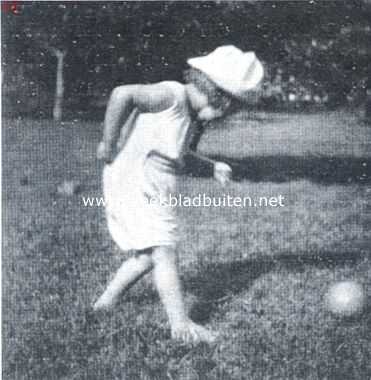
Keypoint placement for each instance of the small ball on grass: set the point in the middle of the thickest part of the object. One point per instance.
(68, 188)
(346, 298)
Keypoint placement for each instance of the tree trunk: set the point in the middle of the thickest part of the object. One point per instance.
(59, 86)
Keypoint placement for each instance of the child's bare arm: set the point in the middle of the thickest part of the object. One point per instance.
(222, 172)
(123, 101)
(201, 158)
(192, 152)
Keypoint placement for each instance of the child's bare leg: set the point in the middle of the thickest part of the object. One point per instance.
(168, 285)
(128, 274)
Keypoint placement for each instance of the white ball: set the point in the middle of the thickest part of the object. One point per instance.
(346, 298)
(68, 188)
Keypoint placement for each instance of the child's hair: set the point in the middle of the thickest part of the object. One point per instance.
(216, 96)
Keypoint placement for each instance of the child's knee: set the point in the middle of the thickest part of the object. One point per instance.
(164, 253)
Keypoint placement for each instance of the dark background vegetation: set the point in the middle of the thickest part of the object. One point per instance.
(315, 52)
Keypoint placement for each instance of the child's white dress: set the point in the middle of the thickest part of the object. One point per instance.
(144, 170)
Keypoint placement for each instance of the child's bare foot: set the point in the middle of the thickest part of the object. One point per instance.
(190, 332)
(105, 302)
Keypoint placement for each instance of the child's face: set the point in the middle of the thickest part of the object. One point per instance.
(211, 101)
(209, 113)
(214, 107)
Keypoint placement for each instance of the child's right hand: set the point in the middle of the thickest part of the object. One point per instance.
(105, 153)
(222, 172)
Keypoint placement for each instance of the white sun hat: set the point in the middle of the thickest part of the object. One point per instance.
(231, 69)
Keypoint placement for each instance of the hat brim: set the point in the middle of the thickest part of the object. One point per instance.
(202, 64)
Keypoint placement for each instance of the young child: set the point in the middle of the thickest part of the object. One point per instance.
(160, 126)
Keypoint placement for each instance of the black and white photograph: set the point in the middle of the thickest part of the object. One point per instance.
(186, 190)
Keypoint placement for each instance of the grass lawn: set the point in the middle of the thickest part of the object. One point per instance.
(258, 275)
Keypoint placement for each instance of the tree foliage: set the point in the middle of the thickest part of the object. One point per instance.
(314, 51)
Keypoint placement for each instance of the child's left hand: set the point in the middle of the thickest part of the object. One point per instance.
(222, 172)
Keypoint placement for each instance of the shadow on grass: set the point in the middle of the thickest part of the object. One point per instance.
(216, 283)
(320, 169)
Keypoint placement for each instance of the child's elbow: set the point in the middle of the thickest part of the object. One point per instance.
(120, 95)
(117, 93)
